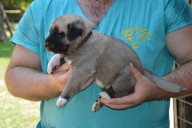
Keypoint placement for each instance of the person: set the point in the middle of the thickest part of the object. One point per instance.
(159, 31)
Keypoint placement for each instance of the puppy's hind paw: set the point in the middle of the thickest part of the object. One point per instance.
(104, 95)
(61, 101)
(97, 105)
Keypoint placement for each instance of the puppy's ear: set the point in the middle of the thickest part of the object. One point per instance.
(73, 32)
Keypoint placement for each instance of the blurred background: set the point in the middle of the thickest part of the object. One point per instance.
(14, 112)
(19, 113)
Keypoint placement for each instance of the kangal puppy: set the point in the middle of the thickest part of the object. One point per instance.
(92, 53)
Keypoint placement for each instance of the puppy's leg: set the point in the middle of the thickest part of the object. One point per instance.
(97, 105)
(123, 84)
(73, 85)
(56, 61)
(104, 94)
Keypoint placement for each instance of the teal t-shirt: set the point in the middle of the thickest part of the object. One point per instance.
(142, 24)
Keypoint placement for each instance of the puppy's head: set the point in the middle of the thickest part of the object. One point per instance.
(67, 33)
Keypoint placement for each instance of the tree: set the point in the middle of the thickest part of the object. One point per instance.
(13, 4)
(3, 36)
(19, 4)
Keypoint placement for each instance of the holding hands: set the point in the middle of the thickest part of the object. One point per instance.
(144, 90)
(60, 76)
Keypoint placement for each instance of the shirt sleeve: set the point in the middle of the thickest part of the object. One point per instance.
(178, 13)
(27, 33)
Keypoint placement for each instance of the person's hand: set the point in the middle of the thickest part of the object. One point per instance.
(60, 76)
(144, 90)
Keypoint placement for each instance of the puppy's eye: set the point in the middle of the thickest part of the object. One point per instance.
(61, 34)
(55, 32)
(69, 26)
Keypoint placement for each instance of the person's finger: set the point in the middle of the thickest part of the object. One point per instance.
(89, 81)
(124, 106)
(120, 103)
(135, 72)
(126, 100)
(63, 68)
(114, 101)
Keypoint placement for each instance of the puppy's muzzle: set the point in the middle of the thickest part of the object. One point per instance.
(49, 46)
(56, 48)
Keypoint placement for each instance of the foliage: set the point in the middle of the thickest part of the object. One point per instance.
(14, 112)
(16, 1)
(17, 4)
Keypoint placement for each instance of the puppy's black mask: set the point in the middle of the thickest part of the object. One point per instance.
(55, 41)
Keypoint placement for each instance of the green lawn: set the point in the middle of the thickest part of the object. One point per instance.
(5, 53)
(14, 112)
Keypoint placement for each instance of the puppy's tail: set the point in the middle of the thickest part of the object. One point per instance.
(164, 83)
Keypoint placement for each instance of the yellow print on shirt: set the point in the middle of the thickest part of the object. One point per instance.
(136, 35)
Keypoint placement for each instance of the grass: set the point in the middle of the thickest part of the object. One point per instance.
(14, 112)
(5, 53)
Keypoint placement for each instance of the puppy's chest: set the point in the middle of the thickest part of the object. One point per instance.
(74, 61)
(99, 83)
(68, 61)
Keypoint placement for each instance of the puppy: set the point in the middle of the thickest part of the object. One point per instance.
(91, 53)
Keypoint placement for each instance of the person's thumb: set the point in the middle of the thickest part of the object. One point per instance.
(135, 72)
(63, 68)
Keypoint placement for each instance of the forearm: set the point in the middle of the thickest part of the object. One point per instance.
(181, 76)
(29, 84)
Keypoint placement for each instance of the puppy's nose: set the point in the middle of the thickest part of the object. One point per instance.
(52, 46)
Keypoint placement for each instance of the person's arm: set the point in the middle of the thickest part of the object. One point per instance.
(25, 79)
(180, 46)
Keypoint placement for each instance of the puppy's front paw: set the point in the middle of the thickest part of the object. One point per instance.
(61, 101)
(51, 67)
(54, 63)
